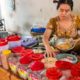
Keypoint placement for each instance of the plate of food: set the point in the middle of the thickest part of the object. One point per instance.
(67, 57)
(49, 62)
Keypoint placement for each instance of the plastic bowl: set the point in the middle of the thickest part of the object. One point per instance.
(67, 57)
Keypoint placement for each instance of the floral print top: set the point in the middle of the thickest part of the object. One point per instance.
(72, 32)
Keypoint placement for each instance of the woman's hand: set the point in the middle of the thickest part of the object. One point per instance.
(50, 52)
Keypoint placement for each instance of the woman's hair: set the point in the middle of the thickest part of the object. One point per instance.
(69, 2)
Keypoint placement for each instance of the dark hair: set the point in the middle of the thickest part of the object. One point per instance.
(69, 2)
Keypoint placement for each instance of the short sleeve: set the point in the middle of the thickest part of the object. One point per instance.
(78, 22)
(51, 24)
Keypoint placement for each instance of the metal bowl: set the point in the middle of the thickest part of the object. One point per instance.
(66, 44)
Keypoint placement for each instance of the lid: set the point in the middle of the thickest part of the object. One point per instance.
(6, 52)
(27, 52)
(13, 38)
(3, 42)
(18, 49)
(74, 78)
(75, 69)
(25, 60)
(36, 56)
(37, 65)
(53, 73)
(63, 64)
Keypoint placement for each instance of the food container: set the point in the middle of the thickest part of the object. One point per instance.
(64, 44)
(49, 62)
(39, 50)
(38, 30)
(3, 44)
(53, 73)
(38, 71)
(33, 76)
(63, 65)
(13, 64)
(0, 59)
(23, 71)
(18, 50)
(25, 60)
(37, 66)
(29, 42)
(67, 57)
(14, 41)
(74, 78)
(37, 57)
(27, 52)
(4, 58)
(75, 70)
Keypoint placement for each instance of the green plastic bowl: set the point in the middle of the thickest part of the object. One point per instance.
(64, 55)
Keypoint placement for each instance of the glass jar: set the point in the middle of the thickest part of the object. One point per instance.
(23, 71)
(13, 63)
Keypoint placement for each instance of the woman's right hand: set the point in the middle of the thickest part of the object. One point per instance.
(50, 52)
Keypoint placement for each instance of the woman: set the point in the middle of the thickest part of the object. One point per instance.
(64, 25)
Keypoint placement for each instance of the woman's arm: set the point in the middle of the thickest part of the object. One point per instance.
(47, 35)
(50, 28)
(46, 38)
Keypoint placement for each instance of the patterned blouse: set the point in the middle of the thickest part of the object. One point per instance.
(72, 32)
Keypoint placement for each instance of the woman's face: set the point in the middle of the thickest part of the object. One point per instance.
(64, 11)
